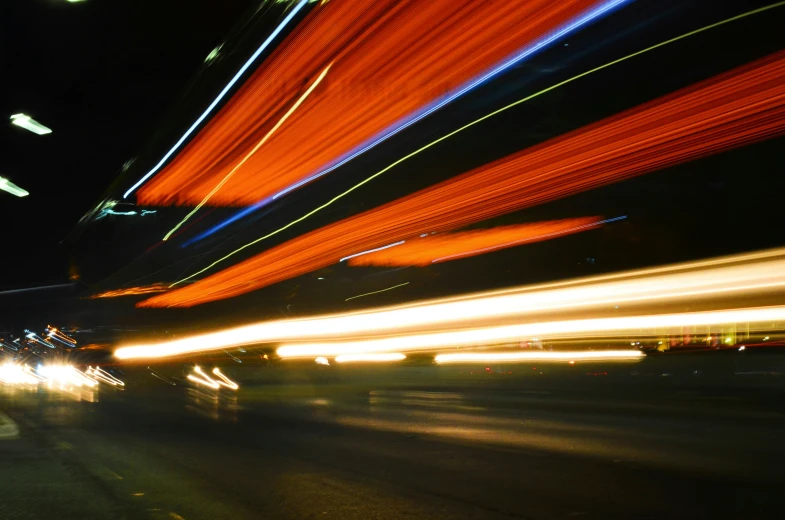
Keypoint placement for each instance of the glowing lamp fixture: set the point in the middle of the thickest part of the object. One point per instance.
(28, 123)
(12, 188)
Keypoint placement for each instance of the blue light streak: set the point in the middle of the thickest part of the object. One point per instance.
(373, 250)
(218, 99)
(430, 109)
(527, 52)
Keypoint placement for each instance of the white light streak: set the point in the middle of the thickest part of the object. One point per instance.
(370, 357)
(225, 381)
(28, 123)
(737, 276)
(511, 357)
(600, 327)
(220, 96)
(252, 152)
(373, 250)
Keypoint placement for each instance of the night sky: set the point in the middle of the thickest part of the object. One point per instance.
(101, 75)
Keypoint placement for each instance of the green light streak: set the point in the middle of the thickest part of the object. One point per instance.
(478, 121)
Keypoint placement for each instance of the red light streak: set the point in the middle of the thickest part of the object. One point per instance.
(390, 59)
(441, 248)
(728, 111)
(133, 291)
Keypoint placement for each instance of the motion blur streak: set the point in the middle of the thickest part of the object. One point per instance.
(600, 327)
(373, 250)
(433, 143)
(133, 291)
(204, 382)
(253, 151)
(376, 292)
(65, 375)
(396, 61)
(439, 248)
(373, 358)
(203, 379)
(220, 96)
(17, 374)
(39, 288)
(225, 381)
(723, 279)
(101, 375)
(731, 110)
(510, 357)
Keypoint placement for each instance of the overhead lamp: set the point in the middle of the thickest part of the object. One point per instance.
(12, 188)
(28, 123)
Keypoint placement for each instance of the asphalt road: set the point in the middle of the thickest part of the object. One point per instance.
(602, 442)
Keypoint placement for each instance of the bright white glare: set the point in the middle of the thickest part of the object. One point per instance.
(554, 329)
(508, 357)
(366, 357)
(16, 374)
(12, 188)
(65, 375)
(28, 123)
(741, 275)
(373, 250)
(322, 361)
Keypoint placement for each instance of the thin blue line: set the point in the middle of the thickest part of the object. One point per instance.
(217, 100)
(398, 127)
(426, 111)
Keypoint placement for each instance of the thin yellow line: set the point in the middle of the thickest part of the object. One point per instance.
(377, 292)
(255, 149)
(476, 121)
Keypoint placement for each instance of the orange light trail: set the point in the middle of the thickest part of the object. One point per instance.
(728, 111)
(391, 58)
(133, 291)
(431, 249)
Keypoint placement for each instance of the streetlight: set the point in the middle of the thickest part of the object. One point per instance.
(28, 123)
(12, 188)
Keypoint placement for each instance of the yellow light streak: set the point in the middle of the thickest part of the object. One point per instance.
(731, 277)
(105, 377)
(65, 375)
(478, 121)
(599, 327)
(370, 357)
(203, 379)
(225, 381)
(512, 357)
(253, 151)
